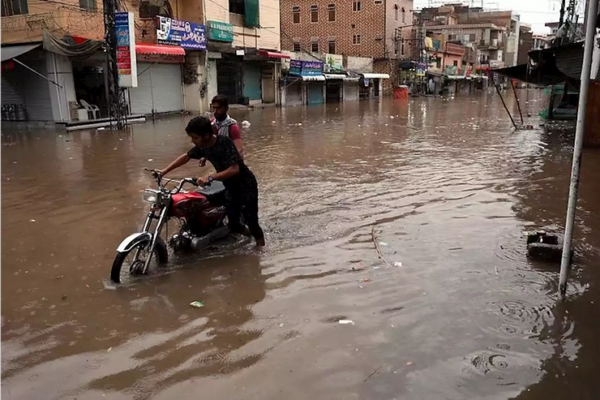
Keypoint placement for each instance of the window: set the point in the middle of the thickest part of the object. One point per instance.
(403, 16)
(355, 39)
(90, 5)
(356, 5)
(402, 52)
(237, 7)
(472, 37)
(314, 46)
(148, 9)
(331, 9)
(396, 12)
(296, 14)
(314, 13)
(297, 47)
(14, 7)
(455, 63)
(378, 1)
(331, 46)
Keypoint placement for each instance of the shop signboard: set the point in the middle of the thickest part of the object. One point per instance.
(175, 32)
(334, 63)
(220, 31)
(126, 61)
(305, 68)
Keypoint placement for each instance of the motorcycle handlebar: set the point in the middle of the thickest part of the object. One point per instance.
(158, 176)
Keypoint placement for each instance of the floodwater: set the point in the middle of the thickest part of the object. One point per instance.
(441, 189)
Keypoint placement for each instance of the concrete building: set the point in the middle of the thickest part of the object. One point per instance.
(186, 52)
(372, 29)
(526, 44)
(495, 33)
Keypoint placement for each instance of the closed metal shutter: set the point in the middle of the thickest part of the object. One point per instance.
(21, 86)
(159, 89)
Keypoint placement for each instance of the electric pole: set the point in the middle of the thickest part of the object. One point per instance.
(116, 95)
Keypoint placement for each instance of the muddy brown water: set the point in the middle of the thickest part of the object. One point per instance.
(444, 187)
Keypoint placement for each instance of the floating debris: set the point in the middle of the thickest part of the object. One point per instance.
(346, 322)
(197, 304)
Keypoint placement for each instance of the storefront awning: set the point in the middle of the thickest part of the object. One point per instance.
(272, 54)
(10, 52)
(375, 76)
(319, 78)
(351, 78)
(157, 49)
(334, 76)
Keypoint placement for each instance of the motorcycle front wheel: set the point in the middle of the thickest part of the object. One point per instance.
(130, 264)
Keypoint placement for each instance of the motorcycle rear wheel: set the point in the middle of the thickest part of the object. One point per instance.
(160, 256)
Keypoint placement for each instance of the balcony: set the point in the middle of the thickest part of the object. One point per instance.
(28, 28)
(488, 44)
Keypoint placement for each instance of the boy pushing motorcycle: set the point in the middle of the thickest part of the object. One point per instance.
(240, 182)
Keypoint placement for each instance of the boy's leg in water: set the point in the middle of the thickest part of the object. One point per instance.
(250, 211)
(233, 208)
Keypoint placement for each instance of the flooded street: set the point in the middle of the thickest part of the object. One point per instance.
(442, 189)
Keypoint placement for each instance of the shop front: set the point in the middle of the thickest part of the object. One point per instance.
(372, 85)
(312, 82)
(160, 84)
(334, 84)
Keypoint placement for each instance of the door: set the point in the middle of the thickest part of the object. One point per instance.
(229, 82)
(252, 81)
(314, 91)
(159, 89)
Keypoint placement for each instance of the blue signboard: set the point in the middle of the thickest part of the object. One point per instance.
(174, 32)
(305, 68)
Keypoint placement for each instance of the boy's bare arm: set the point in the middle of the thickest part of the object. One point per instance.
(178, 162)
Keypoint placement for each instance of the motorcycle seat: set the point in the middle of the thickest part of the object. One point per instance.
(214, 193)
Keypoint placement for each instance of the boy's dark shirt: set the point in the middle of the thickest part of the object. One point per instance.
(223, 155)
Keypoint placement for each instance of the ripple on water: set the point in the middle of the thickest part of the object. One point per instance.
(521, 318)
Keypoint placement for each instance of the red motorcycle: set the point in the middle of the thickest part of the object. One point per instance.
(202, 217)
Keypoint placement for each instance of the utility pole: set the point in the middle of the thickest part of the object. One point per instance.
(116, 95)
(588, 48)
(561, 19)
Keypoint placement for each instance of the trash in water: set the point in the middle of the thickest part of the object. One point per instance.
(281, 325)
(150, 160)
(346, 322)
(101, 129)
(409, 363)
(245, 124)
(383, 244)
(109, 349)
(197, 304)
(366, 280)
(32, 220)
(397, 264)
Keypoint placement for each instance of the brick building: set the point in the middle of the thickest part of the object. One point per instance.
(355, 28)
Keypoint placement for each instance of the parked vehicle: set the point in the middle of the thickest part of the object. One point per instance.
(200, 212)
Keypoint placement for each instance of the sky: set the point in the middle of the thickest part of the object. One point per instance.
(534, 12)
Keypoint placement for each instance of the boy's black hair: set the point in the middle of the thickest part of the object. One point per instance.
(221, 100)
(200, 126)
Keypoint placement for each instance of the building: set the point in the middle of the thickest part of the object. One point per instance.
(526, 43)
(494, 33)
(185, 52)
(539, 41)
(374, 30)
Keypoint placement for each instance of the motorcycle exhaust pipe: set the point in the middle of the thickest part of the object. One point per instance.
(200, 243)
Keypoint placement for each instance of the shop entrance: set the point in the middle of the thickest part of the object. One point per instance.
(90, 85)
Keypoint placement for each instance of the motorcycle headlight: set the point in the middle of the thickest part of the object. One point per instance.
(151, 196)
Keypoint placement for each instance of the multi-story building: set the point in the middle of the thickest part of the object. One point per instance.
(494, 33)
(526, 44)
(375, 29)
(186, 51)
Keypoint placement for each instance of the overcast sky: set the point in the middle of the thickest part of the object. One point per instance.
(534, 12)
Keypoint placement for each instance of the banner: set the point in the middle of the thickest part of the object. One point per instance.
(126, 61)
(305, 68)
(175, 32)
